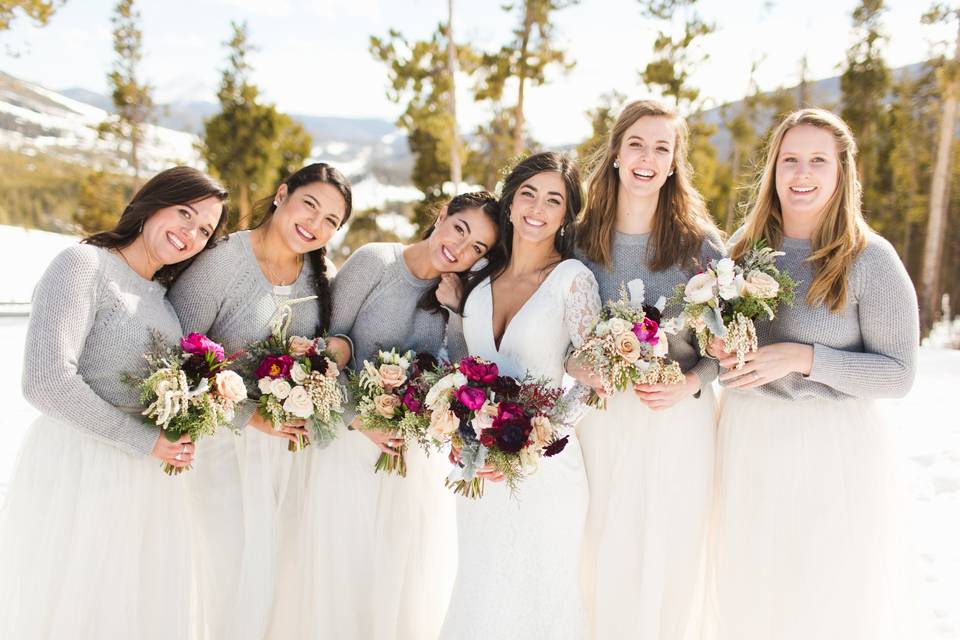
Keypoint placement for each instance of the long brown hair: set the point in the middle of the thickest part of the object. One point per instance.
(177, 185)
(841, 232)
(316, 172)
(681, 221)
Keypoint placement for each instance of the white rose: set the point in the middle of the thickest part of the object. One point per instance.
(298, 403)
(298, 373)
(230, 386)
(265, 384)
(280, 388)
(733, 289)
(726, 270)
(660, 349)
(761, 285)
(619, 325)
(700, 288)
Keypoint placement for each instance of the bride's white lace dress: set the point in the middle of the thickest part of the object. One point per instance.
(519, 556)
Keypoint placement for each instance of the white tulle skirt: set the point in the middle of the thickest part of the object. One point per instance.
(375, 555)
(94, 543)
(245, 491)
(650, 475)
(805, 541)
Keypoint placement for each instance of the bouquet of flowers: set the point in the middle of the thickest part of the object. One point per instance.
(626, 345)
(724, 299)
(188, 391)
(493, 420)
(297, 380)
(389, 394)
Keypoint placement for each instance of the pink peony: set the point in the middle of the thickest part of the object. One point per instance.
(477, 370)
(646, 331)
(274, 367)
(471, 397)
(197, 343)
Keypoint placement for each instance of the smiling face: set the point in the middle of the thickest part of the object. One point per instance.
(808, 170)
(179, 232)
(538, 207)
(460, 239)
(646, 155)
(308, 217)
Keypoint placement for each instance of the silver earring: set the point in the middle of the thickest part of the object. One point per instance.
(616, 163)
(563, 230)
(670, 174)
(276, 204)
(141, 225)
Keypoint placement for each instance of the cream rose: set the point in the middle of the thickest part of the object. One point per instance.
(761, 285)
(619, 325)
(299, 346)
(230, 386)
(265, 384)
(628, 346)
(542, 431)
(298, 403)
(700, 288)
(392, 375)
(386, 405)
(298, 373)
(443, 424)
(660, 349)
(280, 388)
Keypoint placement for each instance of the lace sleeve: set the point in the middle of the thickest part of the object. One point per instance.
(581, 306)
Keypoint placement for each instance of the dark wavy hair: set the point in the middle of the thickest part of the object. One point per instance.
(565, 240)
(178, 185)
(310, 174)
(485, 202)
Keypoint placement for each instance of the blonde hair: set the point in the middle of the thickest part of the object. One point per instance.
(681, 220)
(841, 232)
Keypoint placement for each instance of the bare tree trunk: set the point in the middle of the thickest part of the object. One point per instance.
(522, 79)
(732, 199)
(936, 224)
(803, 88)
(456, 173)
(243, 221)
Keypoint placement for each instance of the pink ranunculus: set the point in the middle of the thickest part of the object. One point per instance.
(646, 331)
(477, 370)
(274, 367)
(201, 344)
(470, 397)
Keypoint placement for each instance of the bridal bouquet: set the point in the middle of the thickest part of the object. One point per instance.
(389, 394)
(493, 420)
(724, 300)
(297, 380)
(188, 391)
(626, 345)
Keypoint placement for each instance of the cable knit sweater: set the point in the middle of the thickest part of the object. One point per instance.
(629, 260)
(91, 321)
(868, 349)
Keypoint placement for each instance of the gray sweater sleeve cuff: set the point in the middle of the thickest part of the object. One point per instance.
(827, 367)
(139, 438)
(707, 369)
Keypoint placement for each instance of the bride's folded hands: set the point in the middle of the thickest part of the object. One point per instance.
(664, 396)
(766, 364)
(584, 375)
(291, 430)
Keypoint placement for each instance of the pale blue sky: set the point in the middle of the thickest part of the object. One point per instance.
(313, 54)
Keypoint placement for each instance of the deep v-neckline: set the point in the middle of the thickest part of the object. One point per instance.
(493, 336)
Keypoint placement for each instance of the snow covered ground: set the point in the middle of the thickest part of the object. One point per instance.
(926, 426)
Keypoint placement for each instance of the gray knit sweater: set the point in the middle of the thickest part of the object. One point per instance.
(868, 349)
(91, 321)
(375, 303)
(629, 260)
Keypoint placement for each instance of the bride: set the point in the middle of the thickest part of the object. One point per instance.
(518, 571)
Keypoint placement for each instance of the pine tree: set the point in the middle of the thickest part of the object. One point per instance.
(420, 74)
(100, 202)
(939, 184)
(525, 59)
(39, 11)
(132, 99)
(249, 144)
(602, 118)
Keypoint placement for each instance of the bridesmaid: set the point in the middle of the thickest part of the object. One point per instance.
(231, 294)
(803, 543)
(94, 539)
(376, 551)
(649, 456)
